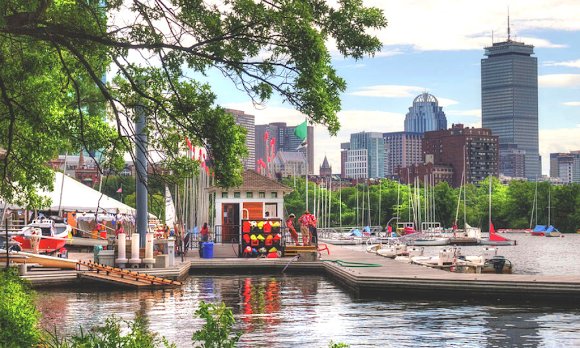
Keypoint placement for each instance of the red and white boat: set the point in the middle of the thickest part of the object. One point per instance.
(49, 235)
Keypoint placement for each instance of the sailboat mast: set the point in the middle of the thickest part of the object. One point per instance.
(398, 204)
(340, 202)
(549, 198)
(490, 177)
(369, 204)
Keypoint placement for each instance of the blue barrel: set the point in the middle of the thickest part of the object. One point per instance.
(207, 250)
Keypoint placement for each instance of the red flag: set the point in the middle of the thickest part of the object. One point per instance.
(272, 141)
(188, 142)
(266, 135)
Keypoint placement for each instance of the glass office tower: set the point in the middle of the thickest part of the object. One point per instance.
(509, 101)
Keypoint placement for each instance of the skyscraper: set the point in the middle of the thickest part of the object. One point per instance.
(425, 115)
(374, 149)
(402, 149)
(284, 140)
(509, 101)
(247, 121)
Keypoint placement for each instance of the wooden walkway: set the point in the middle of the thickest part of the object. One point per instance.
(395, 278)
(124, 277)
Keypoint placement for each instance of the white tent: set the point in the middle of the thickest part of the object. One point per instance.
(74, 195)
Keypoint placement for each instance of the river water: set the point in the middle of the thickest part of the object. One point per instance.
(310, 310)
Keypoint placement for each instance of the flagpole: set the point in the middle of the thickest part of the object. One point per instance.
(306, 156)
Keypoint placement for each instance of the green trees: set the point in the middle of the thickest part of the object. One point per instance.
(55, 53)
(18, 315)
(512, 204)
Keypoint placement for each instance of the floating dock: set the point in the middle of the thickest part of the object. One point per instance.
(363, 274)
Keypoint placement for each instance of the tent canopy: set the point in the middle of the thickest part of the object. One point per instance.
(74, 195)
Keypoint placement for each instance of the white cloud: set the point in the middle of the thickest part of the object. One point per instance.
(567, 63)
(470, 113)
(574, 103)
(389, 91)
(557, 140)
(559, 80)
(436, 25)
(444, 102)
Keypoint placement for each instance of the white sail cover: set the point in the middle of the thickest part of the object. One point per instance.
(169, 208)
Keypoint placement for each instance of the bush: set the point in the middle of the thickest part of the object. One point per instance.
(110, 335)
(217, 330)
(18, 315)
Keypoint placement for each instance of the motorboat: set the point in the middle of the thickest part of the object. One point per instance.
(43, 236)
(411, 252)
(392, 250)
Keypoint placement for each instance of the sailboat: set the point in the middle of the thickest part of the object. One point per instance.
(544, 230)
(494, 238)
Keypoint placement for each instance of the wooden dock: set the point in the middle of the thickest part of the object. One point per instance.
(395, 278)
(350, 266)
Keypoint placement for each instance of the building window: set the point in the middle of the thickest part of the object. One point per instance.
(274, 195)
(224, 195)
(261, 194)
(249, 194)
(237, 195)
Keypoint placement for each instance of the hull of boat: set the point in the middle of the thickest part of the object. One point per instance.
(45, 245)
(430, 242)
(43, 260)
(496, 242)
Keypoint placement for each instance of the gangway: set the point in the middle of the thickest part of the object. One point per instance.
(123, 277)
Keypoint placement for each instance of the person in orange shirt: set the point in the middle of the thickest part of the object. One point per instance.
(290, 225)
(304, 230)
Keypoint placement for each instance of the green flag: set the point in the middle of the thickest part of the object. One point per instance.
(301, 130)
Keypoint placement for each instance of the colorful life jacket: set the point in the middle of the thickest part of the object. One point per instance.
(246, 227)
(254, 241)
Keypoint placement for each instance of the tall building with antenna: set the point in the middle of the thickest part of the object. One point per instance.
(509, 103)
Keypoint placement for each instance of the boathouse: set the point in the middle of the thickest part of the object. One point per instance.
(258, 197)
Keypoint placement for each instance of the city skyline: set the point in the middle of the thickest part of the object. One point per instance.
(440, 53)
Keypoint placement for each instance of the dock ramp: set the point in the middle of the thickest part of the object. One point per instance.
(124, 277)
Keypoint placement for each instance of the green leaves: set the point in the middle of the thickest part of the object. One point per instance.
(55, 54)
(217, 330)
(18, 314)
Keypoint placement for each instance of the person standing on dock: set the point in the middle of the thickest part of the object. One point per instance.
(304, 221)
(312, 229)
(291, 229)
(204, 233)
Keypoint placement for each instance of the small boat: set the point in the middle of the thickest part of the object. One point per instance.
(546, 231)
(393, 250)
(429, 241)
(41, 260)
(43, 236)
(446, 259)
(411, 252)
(495, 239)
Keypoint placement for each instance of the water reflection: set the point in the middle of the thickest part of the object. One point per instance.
(309, 311)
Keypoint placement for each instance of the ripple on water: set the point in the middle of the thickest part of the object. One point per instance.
(310, 311)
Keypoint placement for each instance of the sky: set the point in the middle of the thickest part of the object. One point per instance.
(437, 46)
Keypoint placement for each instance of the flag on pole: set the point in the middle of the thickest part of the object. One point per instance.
(302, 145)
(301, 131)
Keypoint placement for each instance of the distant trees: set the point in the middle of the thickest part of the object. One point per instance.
(512, 204)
